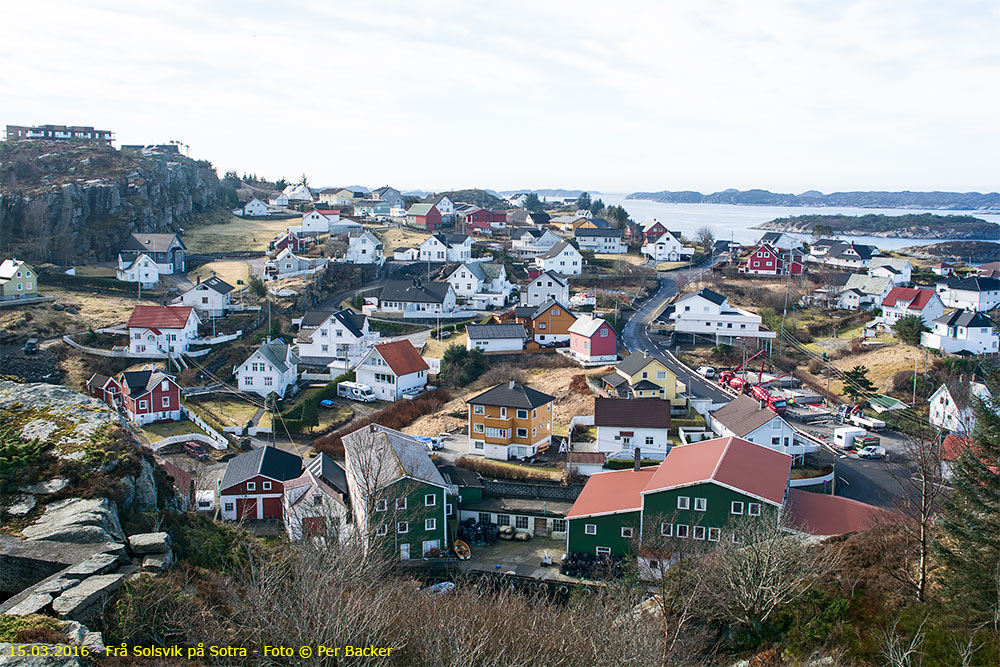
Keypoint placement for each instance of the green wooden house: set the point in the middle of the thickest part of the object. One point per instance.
(696, 493)
(400, 501)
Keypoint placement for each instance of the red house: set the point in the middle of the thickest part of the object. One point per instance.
(288, 240)
(424, 215)
(145, 396)
(479, 227)
(654, 230)
(767, 261)
(592, 340)
(253, 485)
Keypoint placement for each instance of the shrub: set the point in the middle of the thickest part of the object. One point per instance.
(909, 328)
(499, 470)
(578, 385)
(623, 464)
(33, 628)
(721, 351)
(460, 366)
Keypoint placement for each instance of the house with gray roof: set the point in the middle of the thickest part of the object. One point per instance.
(862, 292)
(252, 486)
(167, 250)
(483, 283)
(747, 418)
(417, 298)
(336, 340)
(272, 368)
(846, 254)
(495, 337)
(964, 332)
(446, 248)
(210, 297)
(563, 258)
(979, 293)
(544, 287)
(317, 503)
(899, 270)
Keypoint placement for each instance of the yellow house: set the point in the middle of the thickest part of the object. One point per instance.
(336, 196)
(646, 376)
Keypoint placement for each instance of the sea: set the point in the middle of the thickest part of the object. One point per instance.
(735, 223)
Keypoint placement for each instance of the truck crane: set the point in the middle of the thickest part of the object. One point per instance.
(777, 404)
(730, 380)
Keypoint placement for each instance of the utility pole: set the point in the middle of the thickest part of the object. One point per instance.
(914, 400)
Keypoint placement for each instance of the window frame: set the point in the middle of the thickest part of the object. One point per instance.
(590, 529)
(733, 508)
(683, 502)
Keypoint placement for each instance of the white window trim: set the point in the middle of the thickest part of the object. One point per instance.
(626, 532)
(430, 500)
(736, 507)
(683, 502)
(667, 529)
(402, 527)
(590, 529)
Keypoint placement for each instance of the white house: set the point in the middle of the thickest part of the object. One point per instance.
(666, 248)
(141, 269)
(337, 340)
(255, 208)
(273, 367)
(210, 297)
(974, 293)
(781, 241)
(287, 265)
(562, 258)
(162, 329)
(605, 241)
(905, 301)
(518, 199)
(315, 504)
(626, 423)
(484, 283)
(393, 369)
(406, 254)
(280, 201)
(495, 337)
(744, 417)
(963, 331)
(862, 291)
(548, 286)
(167, 250)
(365, 249)
(848, 255)
(316, 223)
(900, 271)
(530, 242)
(707, 313)
(417, 298)
(446, 248)
(444, 205)
(297, 193)
(952, 406)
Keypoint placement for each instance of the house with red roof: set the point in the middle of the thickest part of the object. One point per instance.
(697, 493)
(393, 370)
(145, 396)
(902, 302)
(253, 485)
(824, 515)
(161, 330)
(766, 260)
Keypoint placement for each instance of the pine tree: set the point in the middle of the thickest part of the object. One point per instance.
(969, 540)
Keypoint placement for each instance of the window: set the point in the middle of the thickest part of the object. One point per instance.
(590, 529)
(266, 486)
(317, 500)
(381, 505)
(699, 532)
(522, 414)
(166, 401)
(401, 503)
(383, 529)
(521, 522)
(681, 531)
(753, 509)
(737, 507)
(604, 333)
(430, 524)
(522, 433)
(683, 502)
(626, 532)
(541, 325)
(448, 509)
(713, 534)
(142, 405)
(736, 539)
(667, 529)
(503, 413)
(603, 551)
(402, 527)
(430, 500)
(229, 507)
(251, 486)
(700, 504)
(649, 440)
(484, 517)
(268, 381)
(492, 432)
(478, 410)
(503, 519)
(559, 525)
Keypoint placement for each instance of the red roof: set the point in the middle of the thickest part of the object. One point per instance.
(739, 464)
(402, 357)
(612, 492)
(953, 446)
(823, 514)
(916, 298)
(160, 317)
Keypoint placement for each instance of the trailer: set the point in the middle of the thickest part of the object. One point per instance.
(355, 391)
(843, 437)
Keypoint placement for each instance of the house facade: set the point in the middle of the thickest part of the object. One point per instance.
(562, 258)
(424, 216)
(653, 229)
(417, 298)
(272, 368)
(145, 396)
(593, 340)
(952, 406)
(962, 331)
(744, 417)
(392, 370)
(483, 283)
(287, 265)
(547, 323)
(642, 375)
(165, 249)
(140, 269)
(974, 293)
(162, 329)
(766, 260)
(211, 297)
(316, 504)
(899, 271)
(446, 248)
(444, 205)
(495, 337)
(365, 249)
(862, 292)
(604, 241)
(510, 421)
(338, 339)
(708, 315)
(253, 485)
(905, 301)
(255, 208)
(17, 281)
(529, 242)
(666, 247)
(625, 424)
(388, 194)
(547, 286)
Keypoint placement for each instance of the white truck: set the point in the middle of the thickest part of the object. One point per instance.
(844, 436)
(869, 423)
(355, 391)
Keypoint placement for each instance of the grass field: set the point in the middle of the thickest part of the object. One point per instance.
(157, 432)
(228, 410)
(628, 258)
(402, 237)
(231, 272)
(95, 271)
(234, 234)
(95, 311)
(435, 348)
(670, 266)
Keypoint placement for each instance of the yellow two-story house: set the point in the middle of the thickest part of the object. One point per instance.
(510, 421)
(646, 376)
(17, 281)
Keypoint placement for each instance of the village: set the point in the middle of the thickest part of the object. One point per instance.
(539, 385)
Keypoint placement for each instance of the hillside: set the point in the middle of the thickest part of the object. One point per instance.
(956, 251)
(913, 226)
(956, 201)
(66, 202)
(480, 198)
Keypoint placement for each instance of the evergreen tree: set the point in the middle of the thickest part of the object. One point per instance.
(969, 539)
(310, 414)
(533, 203)
(583, 201)
(856, 382)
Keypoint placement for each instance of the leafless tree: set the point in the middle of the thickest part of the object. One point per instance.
(706, 238)
(896, 651)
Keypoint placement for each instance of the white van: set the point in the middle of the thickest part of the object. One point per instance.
(844, 436)
(355, 391)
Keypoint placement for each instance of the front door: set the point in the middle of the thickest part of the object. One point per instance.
(404, 552)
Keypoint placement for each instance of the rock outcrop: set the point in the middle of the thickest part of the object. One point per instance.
(78, 520)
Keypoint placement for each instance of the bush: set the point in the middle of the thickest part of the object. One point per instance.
(578, 385)
(909, 328)
(459, 366)
(624, 464)
(499, 470)
(721, 351)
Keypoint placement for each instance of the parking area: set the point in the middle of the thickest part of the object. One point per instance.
(521, 558)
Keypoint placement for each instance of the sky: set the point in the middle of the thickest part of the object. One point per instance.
(603, 96)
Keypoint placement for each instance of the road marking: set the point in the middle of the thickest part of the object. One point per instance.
(843, 481)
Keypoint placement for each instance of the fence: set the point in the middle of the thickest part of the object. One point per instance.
(509, 489)
(26, 302)
(125, 353)
(219, 441)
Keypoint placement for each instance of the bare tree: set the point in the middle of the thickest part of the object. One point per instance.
(706, 238)
(896, 651)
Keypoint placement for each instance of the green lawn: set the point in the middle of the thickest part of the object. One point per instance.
(234, 273)
(227, 410)
(157, 432)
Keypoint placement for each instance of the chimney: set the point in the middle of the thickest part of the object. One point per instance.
(636, 458)
(512, 383)
(645, 354)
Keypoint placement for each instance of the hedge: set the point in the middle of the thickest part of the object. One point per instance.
(87, 282)
(622, 464)
(292, 418)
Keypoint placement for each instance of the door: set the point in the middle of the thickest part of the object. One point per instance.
(246, 508)
(431, 545)
(541, 527)
(404, 552)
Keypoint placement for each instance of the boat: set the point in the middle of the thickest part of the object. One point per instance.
(462, 550)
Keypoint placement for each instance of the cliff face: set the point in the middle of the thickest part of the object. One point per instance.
(64, 202)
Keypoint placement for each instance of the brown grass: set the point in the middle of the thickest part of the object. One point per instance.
(502, 470)
(234, 234)
(95, 311)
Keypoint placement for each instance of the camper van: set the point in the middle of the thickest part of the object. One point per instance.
(355, 391)
(844, 436)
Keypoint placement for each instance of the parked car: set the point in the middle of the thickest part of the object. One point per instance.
(706, 371)
(194, 449)
(872, 452)
(30, 346)
(433, 443)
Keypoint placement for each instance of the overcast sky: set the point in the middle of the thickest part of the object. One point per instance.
(612, 96)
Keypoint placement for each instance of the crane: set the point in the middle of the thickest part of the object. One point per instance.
(729, 378)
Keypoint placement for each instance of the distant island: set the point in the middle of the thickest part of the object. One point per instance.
(909, 226)
(956, 251)
(955, 201)
(550, 192)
